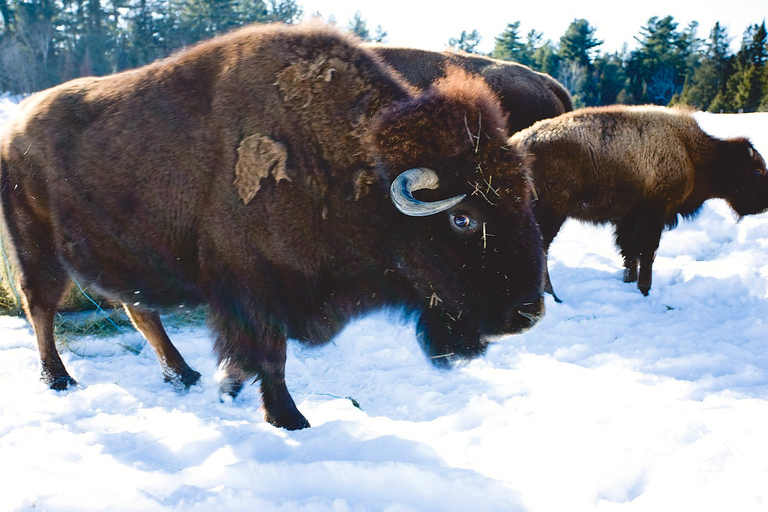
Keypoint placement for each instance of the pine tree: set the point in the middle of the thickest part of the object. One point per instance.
(609, 79)
(359, 27)
(745, 88)
(578, 43)
(545, 59)
(576, 71)
(763, 106)
(708, 73)
(509, 45)
(466, 42)
(284, 11)
(532, 44)
(657, 69)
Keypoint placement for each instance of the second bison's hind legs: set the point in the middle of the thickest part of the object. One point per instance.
(638, 234)
(41, 314)
(42, 278)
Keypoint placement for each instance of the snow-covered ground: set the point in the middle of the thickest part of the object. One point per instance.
(614, 402)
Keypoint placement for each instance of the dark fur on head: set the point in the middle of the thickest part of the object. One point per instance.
(407, 133)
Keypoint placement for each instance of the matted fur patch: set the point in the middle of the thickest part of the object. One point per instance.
(258, 157)
(303, 79)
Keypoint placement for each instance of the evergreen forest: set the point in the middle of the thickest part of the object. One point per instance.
(46, 42)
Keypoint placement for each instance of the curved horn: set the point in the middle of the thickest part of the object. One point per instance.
(401, 193)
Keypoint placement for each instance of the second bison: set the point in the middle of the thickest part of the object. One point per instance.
(638, 168)
(525, 95)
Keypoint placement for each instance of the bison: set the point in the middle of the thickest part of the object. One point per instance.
(526, 95)
(638, 168)
(285, 178)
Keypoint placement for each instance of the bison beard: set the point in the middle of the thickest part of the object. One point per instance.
(252, 174)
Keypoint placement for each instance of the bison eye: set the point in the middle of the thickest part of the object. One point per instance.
(463, 222)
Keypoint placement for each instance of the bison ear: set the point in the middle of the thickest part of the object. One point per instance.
(258, 157)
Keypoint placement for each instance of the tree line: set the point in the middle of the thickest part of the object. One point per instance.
(46, 42)
(671, 65)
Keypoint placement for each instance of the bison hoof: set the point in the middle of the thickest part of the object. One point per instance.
(59, 382)
(229, 387)
(644, 289)
(630, 275)
(290, 421)
(183, 380)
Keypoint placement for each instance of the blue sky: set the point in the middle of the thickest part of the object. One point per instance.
(430, 24)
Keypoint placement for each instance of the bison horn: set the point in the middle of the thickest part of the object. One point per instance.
(419, 178)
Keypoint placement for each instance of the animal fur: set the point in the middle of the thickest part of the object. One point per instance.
(638, 168)
(251, 174)
(526, 95)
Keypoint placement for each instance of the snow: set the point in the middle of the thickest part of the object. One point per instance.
(614, 402)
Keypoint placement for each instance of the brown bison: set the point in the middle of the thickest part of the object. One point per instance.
(285, 178)
(638, 168)
(526, 95)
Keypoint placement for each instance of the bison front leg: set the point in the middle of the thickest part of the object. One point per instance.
(246, 353)
(175, 368)
(269, 368)
(630, 269)
(279, 407)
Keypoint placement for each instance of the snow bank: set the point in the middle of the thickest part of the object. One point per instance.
(615, 402)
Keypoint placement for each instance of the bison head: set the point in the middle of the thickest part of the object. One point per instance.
(467, 246)
(748, 178)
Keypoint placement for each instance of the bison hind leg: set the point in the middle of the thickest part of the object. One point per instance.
(638, 234)
(41, 298)
(41, 275)
(627, 232)
(175, 369)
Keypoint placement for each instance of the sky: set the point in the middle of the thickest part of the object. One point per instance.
(429, 24)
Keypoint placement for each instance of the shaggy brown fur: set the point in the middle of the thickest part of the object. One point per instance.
(526, 95)
(251, 173)
(638, 168)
